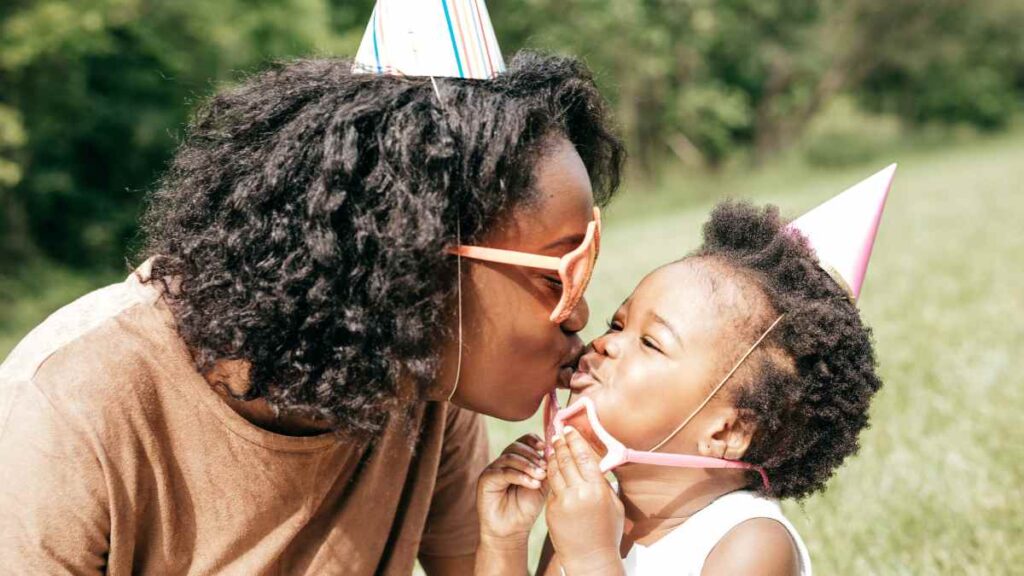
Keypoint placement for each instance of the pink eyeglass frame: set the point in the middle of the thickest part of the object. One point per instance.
(572, 292)
(617, 453)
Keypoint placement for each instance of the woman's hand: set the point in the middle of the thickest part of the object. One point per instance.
(509, 496)
(585, 517)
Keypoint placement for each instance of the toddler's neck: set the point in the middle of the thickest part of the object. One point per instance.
(658, 499)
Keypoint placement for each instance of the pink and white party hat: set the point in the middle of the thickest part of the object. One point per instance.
(842, 230)
(439, 38)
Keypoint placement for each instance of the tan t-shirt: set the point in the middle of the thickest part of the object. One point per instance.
(117, 456)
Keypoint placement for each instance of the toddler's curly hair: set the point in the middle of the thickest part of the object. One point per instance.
(808, 386)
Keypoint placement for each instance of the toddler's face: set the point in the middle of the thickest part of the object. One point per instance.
(666, 348)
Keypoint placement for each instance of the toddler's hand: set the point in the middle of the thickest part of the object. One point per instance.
(508, 494)
(585, 517)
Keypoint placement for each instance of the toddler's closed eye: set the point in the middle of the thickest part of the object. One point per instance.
(650, 343)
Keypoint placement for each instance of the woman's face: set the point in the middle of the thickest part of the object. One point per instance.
(667, 346)
(512, 354)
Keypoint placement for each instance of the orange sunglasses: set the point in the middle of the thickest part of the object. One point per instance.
(574, 269)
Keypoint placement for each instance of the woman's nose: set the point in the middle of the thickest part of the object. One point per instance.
(578, 319)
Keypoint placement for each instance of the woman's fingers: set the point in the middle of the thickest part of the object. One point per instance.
(528, 452)
(566, 463)
(587, 461)
(498, 480)
(518, 478)
(511, 469)
(522, 464)
(533, 441)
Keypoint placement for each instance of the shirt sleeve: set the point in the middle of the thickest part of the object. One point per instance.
(54, 517)
(453, 528)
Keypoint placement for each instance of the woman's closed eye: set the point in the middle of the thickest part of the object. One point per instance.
(554, 281)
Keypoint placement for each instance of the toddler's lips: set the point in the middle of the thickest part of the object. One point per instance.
(580, 381)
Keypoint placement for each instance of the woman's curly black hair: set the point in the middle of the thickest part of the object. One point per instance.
(808, 387)
(307, 211)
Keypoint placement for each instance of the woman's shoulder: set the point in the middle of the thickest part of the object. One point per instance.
(79, 349)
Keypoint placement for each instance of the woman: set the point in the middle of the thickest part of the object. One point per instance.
(266, 393)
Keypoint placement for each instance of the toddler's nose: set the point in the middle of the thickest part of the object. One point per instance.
(607, 345)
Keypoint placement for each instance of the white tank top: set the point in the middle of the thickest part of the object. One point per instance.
(684, 549)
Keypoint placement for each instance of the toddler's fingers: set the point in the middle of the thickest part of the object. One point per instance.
(584, 455)
(555, 480)
(566, 462)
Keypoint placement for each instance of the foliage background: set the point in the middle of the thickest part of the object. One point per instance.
(94, 93)
(786, 101)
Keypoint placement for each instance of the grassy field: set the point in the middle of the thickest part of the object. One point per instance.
(937, 486)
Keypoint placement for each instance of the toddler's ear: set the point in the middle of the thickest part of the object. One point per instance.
(728, 436)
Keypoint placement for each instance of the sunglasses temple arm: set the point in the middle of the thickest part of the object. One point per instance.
(508, 257)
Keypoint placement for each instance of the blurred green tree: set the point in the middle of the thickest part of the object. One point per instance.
(705, 79)
(103, 87)
(94, 93)
(952, 61)
(702, 79)
(14, 237)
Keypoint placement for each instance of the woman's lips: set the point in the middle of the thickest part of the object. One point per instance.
(565, 374)
(569, 363)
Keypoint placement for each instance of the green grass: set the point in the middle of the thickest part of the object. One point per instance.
(937, 486)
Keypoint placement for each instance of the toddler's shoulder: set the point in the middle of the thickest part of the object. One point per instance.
(755, 546)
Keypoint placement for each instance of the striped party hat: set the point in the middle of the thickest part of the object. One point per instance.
(442, 38)
(842, 230)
